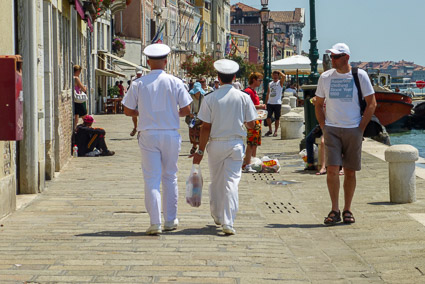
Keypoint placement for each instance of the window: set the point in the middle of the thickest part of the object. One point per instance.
(227, 21)
(208, 5)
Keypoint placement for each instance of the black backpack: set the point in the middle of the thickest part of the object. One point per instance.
(374, 127)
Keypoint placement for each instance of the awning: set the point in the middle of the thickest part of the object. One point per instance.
(108, 73)
(123, 61)
(79, 8)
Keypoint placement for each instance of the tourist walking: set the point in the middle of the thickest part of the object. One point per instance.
(224, 112)
(343, 127)
(253, 138)
(139, 73)
(192, 119)
(159, 99)
(274, 101)
(205, 86)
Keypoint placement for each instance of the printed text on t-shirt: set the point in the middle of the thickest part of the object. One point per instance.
(341, 89)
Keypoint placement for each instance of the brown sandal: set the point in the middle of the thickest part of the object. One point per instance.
(348, 217)
(333, 218)
(133, 132)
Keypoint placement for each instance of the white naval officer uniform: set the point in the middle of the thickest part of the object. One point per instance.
(158, 96)
(226, 109)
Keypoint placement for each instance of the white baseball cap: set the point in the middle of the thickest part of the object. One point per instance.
(139, 70)
(226, 66)
(157, 50)
(339, 48)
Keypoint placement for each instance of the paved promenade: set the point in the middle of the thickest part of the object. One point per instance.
(89, 226)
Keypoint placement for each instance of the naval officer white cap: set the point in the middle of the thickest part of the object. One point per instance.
(226, 66)
(157, 50)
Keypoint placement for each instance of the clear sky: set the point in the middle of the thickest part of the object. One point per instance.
(375, 30)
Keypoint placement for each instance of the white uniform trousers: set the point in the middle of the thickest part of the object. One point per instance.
(160, 150)
(225, 163)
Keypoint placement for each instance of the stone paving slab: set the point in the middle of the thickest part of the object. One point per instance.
(88, 226)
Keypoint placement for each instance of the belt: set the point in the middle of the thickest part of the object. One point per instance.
(228, 138)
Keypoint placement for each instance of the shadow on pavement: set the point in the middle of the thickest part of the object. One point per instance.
(207, 230)
(382, 203)
(118, 234)
(302, 226)
(303, 172)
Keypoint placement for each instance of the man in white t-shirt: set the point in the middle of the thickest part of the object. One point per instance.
(342, 126)
(224, 112)
(274, 100)
(159, 99)
(237, 85)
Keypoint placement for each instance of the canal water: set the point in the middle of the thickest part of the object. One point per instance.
(414, 137)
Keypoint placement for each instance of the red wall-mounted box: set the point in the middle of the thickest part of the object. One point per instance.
(11, 98)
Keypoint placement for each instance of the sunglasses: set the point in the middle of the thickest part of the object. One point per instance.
(337, 56)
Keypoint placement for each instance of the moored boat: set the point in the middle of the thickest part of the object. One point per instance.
(418, 118)
(392, 108)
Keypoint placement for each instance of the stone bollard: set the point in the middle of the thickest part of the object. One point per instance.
(285, 101)
(293, 101)
(401, 163)
(285, 109)
(291, 126)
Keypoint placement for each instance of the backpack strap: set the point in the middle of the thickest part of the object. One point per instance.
(355, 72)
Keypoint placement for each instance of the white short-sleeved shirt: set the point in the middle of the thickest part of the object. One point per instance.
(342, 100)
(227, 109)
(158, 97)
(275, 96)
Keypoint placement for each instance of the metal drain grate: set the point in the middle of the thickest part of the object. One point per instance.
(264, 177)
(281, 207)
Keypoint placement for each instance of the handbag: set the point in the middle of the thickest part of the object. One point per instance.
(188, 119)
(374, 127)
(80, 98)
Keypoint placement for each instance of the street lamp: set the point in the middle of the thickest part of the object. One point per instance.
(271, 24)
(270, 40)
(270, 36)
(265, 16)
(313, 78)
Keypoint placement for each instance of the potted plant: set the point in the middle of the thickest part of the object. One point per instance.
(118, 47)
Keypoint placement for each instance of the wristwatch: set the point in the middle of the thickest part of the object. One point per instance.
(200, 152)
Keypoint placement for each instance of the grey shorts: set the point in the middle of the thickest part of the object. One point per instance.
(343, 147)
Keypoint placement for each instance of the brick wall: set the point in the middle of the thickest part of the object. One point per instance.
(64, 129)
(7, 178)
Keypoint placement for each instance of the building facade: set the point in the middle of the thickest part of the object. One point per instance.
(51, 36)
(287, 29)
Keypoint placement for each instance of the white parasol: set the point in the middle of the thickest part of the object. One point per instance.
(297, 64)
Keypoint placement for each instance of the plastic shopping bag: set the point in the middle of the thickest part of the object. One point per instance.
(256, 164)
(303, 155)
(194, 186)
(270, 165)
